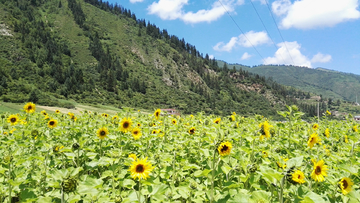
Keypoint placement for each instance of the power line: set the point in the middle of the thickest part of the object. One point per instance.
(241, 30)
(277, 27)
(262, 22)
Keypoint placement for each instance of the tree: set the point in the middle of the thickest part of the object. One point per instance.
(34, 96)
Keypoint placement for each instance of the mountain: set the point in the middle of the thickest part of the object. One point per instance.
(320, 81)
(97, 53)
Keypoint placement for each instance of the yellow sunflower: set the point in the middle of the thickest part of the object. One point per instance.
(125, 125)
(154, 132)
(327, 132)
(140, 169)
(328, 113)
(346, 139)
(232, 118)
(217, 121)
(13, 119)
(102, 132)
(315, 126)
(265, 154)
(115, 118)
(233, 113)
(319, 170)
(157, 114)
(265, 130)
(298, 177)
(224, 148)
(345, 185)
(139, 125)
(192, 130)
(136, 133)
(43, 112)
(313, 139)
(52, 123)
(133, 156)
(354, 128)
(173, 121)
(29, 107)
(57, 111)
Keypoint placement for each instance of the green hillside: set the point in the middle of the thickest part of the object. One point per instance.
(330, 84)
(95, 53)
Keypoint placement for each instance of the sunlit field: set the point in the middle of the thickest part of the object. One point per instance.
(137, 157)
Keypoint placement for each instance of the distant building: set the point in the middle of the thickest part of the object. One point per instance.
(171, 111)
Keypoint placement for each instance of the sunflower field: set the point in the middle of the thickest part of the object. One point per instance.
(137, 157)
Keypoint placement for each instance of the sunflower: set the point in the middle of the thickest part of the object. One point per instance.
(265, 130)
(154, 132)
(52, 123)
(345, 185)
(106, 115)
(173, 121)
(102, 132)
(133, 156)
(319, 170)
(298, 177)
(315, 126)
(29, 107)
(265, 154)
(57, 111)
(346, 139)
(192, 130)
(327, 132)
(232, 118)
(233, 113)
(138, 125)
(354, 128)
(313, 139)
(328, 113)
(157, 114)
(217, 121)
(43, 112)
(115, 118)
(13, 119)
(136, 133)
(224, 148)
(125, 124)
(140, 169)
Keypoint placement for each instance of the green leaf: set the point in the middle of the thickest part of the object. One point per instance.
(270, 175)
(225, 168)
(314, 197)
(44, 200)
(260, 196)
(297, 161)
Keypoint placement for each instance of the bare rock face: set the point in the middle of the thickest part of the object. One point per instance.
(4, 30)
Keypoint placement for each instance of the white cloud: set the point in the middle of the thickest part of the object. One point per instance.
(321, 58)
(282, 55)
(297, 58)
(245, 56)
(211, 56)
(308, 14)
(173, 9)
(167, 9)
(135, 1)
(250, 38)
(253, 38)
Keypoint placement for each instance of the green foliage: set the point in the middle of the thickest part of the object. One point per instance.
(97, 53)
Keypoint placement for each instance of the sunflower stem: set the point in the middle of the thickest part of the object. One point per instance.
(212, 177)
(9, 181)
(139, 195)
(281, 189)
(62, 195)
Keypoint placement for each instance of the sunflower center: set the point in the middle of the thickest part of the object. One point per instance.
(102, 133)
(136, 132)
(345, 184)
(311, 139)
(52, 123)
(157, 114)
(224, 148)
(126, 125)
(192, 130)
(318, 170)
(13, 120)
(140, 168)
(29, 107)
(299, 176)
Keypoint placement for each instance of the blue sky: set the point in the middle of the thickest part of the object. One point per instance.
(315, 33)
